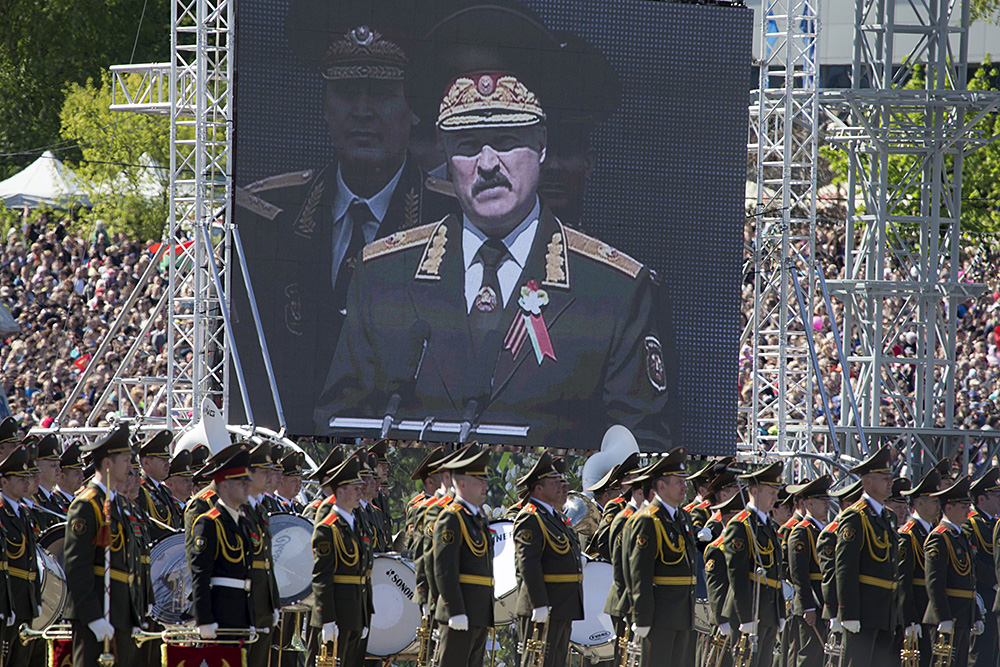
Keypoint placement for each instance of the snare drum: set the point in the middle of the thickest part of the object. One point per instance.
(171, 580)
(594, 635)
(52, 539)
(396, 618)
(291, 549)
(504, 572)
(53, 590)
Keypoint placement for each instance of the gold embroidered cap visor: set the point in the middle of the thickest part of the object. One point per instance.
(488, 99)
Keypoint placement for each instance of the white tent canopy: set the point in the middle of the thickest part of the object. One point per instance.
(45, 182)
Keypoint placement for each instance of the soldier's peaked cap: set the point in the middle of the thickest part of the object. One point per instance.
(721, 481)
(291, 463)
(545, 466)
(48, 448)
(476, 465)
(769, 475)
(847, 495)
(957, 492)
(180, 464)
(614, 477)
(876, 463)
(731, 506)
(114, 442)
(926, 486)
(900, 485)
(233, 468)
(18, 463)
(944, 467)
(71, 457)
(430, 465)
(260, 454)
(157, 444)
(224, 454)
(347, 472)
(817, 488)
(332, 460)
(199, 455)
(671, 464)
(381, 450)
(708, 472)
(8, 429)
(988, 482)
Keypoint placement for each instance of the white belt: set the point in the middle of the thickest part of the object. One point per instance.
(229, 582)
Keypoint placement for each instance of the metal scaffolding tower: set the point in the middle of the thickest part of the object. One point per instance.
(906, 125)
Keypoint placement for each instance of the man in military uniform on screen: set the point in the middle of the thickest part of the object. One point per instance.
(530, 323)
(322, 218)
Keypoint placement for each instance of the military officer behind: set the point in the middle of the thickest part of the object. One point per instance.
(866, 568)
(286, 491)
(220, 555)
(662, 564)
(751, 544)
(53, 505)
(180, 481)
(23, 578)
(266, 599)
(154, 497)
(70, 474)
(979, 528)
(88, 535)
(805, 575)
(547, 561)
(951, 575)
(563, 324)
(341, 562)
(912, 589)
(463, 567)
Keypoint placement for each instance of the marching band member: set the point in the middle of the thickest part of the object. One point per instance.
(290, 483)
(154, 497)
(52, 505)
(428, 472)
(601, 545)
(70, 475)
(826, 544)
(23, 580)
(912, 590)
(716, 574)
(180, 481)
(266, 599)
(979, 528)
(806, 633)
(698, 509)
(317, 510)
(380, 450)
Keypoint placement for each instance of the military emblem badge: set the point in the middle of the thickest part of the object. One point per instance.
(655, 369)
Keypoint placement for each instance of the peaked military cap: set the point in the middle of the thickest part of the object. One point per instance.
(233, 462)
(616, 475)
(8, 429)
(769, 475)
(721, 481)
(710, 471)
(18, 464)
(546, 466)
(926, 486)
(71, 457)
(275, 456)
(114, 442)
(199, 456)
(180, 464)
(260, 454)
(957, 492)
(848, 495)
(332, 460)
(944, 466)
(475, 465)
(899, 486)
(347, 472)
(215, 459)
(733, 505)
(31, 442)
(784, 497)
(158, 444)
(291, 464)
(48, 448)
(817, 488)
(987, 483)
(876, 463)
(671, 464)
(430, 465)
(381, 450)
(368, 463)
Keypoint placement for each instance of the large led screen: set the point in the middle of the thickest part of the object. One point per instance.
(513, 223)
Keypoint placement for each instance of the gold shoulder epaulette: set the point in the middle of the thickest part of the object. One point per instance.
(397, 241)
(253, 203)
(288, 180)
(602, 252)
(442, 186)
(87, 494)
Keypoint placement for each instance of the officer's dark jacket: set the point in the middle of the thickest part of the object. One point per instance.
(266, 598)
(912, 589)
(342, 561)
(716, 580)
(463, 565)
(220, 547)
(978, 529)
(949, 566)
(751, 543)
(662, 564)
(427, 592)
(826, 551)
(803, 567)
(547, 561)
(619, 602)
(600, 318)
(22, 560)
(866, 567)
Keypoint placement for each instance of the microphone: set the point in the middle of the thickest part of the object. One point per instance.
(404, 368)
(482, 381)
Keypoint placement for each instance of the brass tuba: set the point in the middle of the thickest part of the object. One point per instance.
(943, 650)
(536, 647)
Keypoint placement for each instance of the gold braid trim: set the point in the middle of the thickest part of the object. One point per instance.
(871, 540)
(231, 552)
(988, 548)
(560, 546)
(760, 551)
(961, 568)
(663, 539)
(349, 559)
(478, 549)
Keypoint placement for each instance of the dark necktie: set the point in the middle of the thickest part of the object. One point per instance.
(359, 214)
(488, 306)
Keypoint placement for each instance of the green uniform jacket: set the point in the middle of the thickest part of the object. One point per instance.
(783, 531)
(717, 580)
(662, 566)
(912, 589)
(978, 529)
(412, 513)
(951, 577)
(826, 552)
(750, 543)
(220, 547)
(547, 561)
(427, 592)
(463, 565)
(266, 598)
(700, 513)
(139, 543)
(867, 565)
(22, 561)
(803, 567)
(619, 602)
(83, 562)
(342, 563)
(157, 501)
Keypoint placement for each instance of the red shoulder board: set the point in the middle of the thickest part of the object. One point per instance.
(717, 516)
(717, 542)
(618, 501)
(417, 498)
(906, 527)
(830, 527)
(703, 504)
(330, 518)
(213, 513)
(940, 529)
(804, 523)
(627, 512)
(791, 523)
(207, 494)
(972, 514)
(528, 508)
(445, 499)
(690, 506)
(741, 516)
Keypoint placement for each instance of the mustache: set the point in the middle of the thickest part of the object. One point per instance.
(493, 181)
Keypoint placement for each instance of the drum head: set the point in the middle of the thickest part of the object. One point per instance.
(291, 548)
(171, 581)
(504, 572)
(594, 634)
(52, 540)
(53, 590)
(397, 617)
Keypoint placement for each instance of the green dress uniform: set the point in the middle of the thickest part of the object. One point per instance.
(266, 599)
(806, 579)
(699, 512)
(463, 570)
(427, 592)
(220, 564)
(951, 585)
(912, 589)
(717, 588)
(412, 507)
(826, 546)
(619, 603)
(50, 510)
(979, 529)
(158, 503)
(23, 578)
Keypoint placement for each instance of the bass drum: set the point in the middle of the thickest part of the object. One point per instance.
(291, 549)
(52, 539)
(594, 635)
(504, 572)
(397, 617)
(53, 590)
(171, 581)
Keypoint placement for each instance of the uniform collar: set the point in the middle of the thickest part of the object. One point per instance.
(16, 506)
(946, 522)
(472, 508)
(764, 519)
(926, 525)
(671, 510)
(875, 505)
(548, 508)
(233, 513)
(379, 203)
(518, 241)
(345, 515)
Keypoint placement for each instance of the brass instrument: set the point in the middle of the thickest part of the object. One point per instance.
(633, 652)
(909, 656)
(623, 647)
(718, 647)
(424, 637)
(186, 634)
(536, 647)
(743, 654)
(140, 637)
(328, 658)
(943, 650)
(433, 648)
(833, 649)
(54, 631)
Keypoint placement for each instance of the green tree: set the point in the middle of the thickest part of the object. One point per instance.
(45, 45)
(119, 153)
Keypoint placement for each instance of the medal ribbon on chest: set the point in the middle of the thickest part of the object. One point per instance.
(530, 324)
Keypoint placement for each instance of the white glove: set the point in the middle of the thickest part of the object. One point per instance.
(835, 625)
(981, 604)
(330, 632)
(274, 618)
(364, 633)
(10, 621)
(38, 611)
(423, 610)
(640, 630)
(978, 628)
(101, 628)
(946, 626)
(725, 629)
(540, 615)
(781, 624)
(852, 626)
(208, 631)
(705, 534)
(459, 622)
(914, 630)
